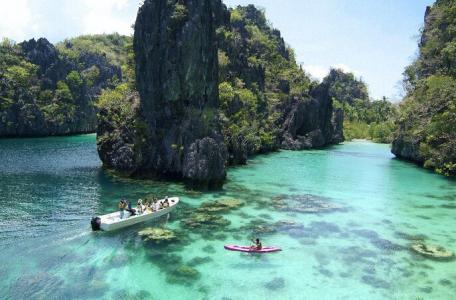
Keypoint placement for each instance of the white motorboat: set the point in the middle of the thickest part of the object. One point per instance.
(113, 221)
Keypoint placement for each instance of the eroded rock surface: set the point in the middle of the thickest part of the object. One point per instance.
(311, 122)
(177, 80)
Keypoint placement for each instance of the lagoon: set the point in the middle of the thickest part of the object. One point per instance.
(344, 216)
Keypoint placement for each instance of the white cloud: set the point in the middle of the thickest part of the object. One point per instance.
(16, 19)
(347, 69)
(318, 72)
(60, 19)
(105, 16)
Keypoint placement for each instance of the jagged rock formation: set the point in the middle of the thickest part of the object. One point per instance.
(312, 122)
(176, 77)
(44, 93)
(175, 125)
(267, 99)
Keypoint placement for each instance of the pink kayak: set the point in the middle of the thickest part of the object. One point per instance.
(252, 250)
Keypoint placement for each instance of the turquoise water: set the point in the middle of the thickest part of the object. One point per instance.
(355, 247)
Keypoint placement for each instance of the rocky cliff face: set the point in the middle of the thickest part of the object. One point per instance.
(407, 147)
(211, 90)
(177, 80)
(266, 98)
(311, 122)
(337, 122)
(425, 129)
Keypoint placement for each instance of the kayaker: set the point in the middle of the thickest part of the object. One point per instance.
(257, 245)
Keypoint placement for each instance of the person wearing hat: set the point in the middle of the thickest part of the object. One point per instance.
(139, 207)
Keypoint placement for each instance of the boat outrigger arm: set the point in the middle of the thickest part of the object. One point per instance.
(113, 221)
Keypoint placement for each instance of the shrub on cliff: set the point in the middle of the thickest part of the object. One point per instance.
(118, 110)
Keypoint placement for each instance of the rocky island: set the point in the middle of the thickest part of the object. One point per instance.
(201, 87)
(47, 90)
(212, 86)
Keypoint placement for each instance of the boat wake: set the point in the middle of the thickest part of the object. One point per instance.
(74, 237)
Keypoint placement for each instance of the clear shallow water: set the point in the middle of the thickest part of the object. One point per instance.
(49, 189)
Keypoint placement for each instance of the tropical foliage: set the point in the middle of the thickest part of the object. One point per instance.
(46, 90)
(363, 118)
(116, 48)
(257, 71)
(427, 120)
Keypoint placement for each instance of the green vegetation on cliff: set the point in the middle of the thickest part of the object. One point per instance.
(426, 126)
(363, 118)
(47, 90)
(257, 72)
(205, 106)
(261, 87)
(116, 48)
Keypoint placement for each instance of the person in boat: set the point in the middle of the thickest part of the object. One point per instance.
(154, 205)
(122, 206)
(130, 209)
(148, 205)
(139, 207)
(257, 244)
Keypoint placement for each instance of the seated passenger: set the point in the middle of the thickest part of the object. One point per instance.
(148, 206)
(130, 210)
(154, 206)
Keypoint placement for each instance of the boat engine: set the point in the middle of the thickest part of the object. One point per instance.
(96, 223)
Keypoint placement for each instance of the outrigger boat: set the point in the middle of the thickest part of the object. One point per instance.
(113, 221)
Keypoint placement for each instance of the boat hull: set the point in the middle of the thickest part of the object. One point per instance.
(112, 221)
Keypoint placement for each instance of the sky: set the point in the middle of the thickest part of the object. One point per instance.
(373, 39)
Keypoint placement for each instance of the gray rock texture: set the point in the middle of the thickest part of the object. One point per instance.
(177, 80)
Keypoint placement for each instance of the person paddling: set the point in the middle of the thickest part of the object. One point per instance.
(257, 244)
